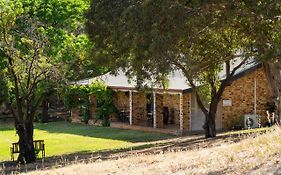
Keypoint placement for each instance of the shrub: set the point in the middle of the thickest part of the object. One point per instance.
(270, 106)
(237, 122)
(78, 96)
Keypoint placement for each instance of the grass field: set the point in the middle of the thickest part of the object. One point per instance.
(64, 138)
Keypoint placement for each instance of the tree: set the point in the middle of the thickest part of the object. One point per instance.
(39, 40)
(268, 40)
(150, 39)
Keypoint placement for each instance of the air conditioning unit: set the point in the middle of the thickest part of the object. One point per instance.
(251, 121)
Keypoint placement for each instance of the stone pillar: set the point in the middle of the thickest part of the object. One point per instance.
(186, 112)
(181, 113)
(93, 106)
(139, 114)
(159, 111)
(131, 107)
(75, 118)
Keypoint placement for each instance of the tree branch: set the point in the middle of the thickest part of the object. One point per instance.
(17, 94)
(193, 86)
(30, 67)
(237, 67)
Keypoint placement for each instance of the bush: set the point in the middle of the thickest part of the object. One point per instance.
(237, 122)
(270, 107)
(78, 96)
(85, 108)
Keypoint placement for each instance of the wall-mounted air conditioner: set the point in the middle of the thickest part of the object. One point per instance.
(251, 121)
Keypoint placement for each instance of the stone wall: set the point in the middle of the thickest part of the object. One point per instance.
(121, 102)
(75, 115)
(159, 111)
(186, 112)
(172, 101)
(139, 105)
(139, 109)
(241, 93)
(93, 106)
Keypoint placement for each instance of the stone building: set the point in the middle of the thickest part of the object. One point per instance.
(157, 108)
(176, 108)
(248, 93)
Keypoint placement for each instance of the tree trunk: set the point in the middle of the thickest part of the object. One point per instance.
(25, 133)
(210, 121)
(210, 125)
(45, 108)
(273, 75)
(216, 94)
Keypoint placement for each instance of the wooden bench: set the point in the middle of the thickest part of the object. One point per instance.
(38, 146)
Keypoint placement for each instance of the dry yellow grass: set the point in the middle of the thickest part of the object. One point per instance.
(258, 154)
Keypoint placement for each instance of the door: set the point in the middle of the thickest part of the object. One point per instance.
(219, 116)
(197, 116)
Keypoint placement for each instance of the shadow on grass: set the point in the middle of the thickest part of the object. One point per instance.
(7, 124)
(186, 143)
(9, 167)
(171, 145)
(102, 132)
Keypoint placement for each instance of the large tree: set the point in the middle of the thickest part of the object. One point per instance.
(40, 41)
(268, 40)
(152, 38)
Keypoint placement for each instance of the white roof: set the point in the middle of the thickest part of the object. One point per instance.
(177, 80)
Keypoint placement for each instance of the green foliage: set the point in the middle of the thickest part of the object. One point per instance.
(41, 41)
(237, 122)
(150, 39)
(270, 106)
(85, 108)
(78, 96)
(37, 117)
(3, 87)
(153, 38)
(44, 40)
(105, 107)
(42, 46)
(74, 93)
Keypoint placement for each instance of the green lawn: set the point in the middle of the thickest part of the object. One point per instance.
(63, 138)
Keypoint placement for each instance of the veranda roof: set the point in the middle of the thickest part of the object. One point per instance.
(120, 81)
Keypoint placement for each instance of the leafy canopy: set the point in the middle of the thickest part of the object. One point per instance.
(150, 39)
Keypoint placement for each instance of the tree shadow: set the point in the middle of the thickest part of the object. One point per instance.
(6, 124)
(102, 132)
(170, 145)
(186, 143)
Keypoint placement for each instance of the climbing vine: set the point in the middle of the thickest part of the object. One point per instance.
(77, 96)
